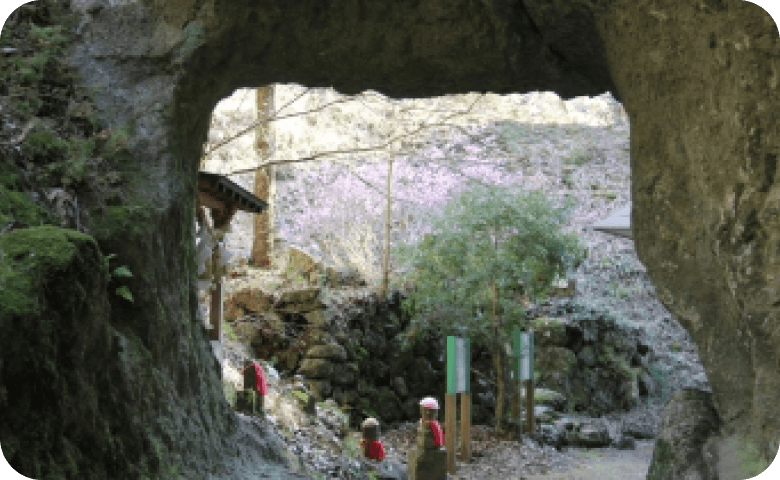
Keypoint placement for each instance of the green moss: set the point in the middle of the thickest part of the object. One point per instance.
(751, 462)
(16, 207)
(228, 329)
(606, 353)
(352, 446)
(546, 396)
(301, 396)
(122, 220)
(29, 256)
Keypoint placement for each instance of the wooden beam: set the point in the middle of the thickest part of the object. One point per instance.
(465, 427)
(450, 410)
(262, 239)
(529, 406)
(216, 300)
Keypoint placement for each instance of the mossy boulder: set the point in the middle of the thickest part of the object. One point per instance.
(549, 331)
(55, 338)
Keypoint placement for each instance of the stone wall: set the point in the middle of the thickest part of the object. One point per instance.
(355, 349)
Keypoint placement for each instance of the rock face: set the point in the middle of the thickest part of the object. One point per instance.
(696, 78)
(688, 421)
(705, 191)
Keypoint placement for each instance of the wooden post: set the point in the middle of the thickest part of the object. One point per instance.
(458, 384)
(216, 299)
(465, 427)
(529, 406)
(388, 221)
(516, 402)
(450, 401)
(263, 239)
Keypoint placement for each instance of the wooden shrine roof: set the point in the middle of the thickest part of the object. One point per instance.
(217, 191)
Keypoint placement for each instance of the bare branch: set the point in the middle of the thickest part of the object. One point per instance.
(360, 149)
(254, 124)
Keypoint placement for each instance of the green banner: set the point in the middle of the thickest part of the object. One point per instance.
(523, 349)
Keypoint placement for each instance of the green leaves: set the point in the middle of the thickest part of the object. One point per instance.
(124, 292)
(484, 237)
(120, 272)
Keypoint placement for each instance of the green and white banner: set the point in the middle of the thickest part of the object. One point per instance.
(523, 346)
(458, 364)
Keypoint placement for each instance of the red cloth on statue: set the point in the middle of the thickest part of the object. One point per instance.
(436, 431)
(375, 449)
(260, 384)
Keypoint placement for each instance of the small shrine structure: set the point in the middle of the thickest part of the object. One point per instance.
(223, 198)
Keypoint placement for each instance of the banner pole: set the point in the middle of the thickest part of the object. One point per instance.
(450, 401)
(465, 425)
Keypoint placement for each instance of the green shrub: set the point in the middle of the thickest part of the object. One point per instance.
(228, 329)
(352, 446)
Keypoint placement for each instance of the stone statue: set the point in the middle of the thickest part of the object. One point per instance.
(428, 460)
(370, 444)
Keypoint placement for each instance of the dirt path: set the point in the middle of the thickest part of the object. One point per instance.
(606, 464)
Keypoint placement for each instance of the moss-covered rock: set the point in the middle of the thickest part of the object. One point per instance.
(549, 331)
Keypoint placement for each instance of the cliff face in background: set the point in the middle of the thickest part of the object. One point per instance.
(699, 82)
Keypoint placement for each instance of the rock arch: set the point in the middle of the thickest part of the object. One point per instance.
(698, 79)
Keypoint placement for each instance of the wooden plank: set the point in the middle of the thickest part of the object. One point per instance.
(450, 406)
(516, 389)
(529, 406)
(216, 300)
(465, 427)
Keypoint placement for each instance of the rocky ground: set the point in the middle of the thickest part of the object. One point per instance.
(318, 441)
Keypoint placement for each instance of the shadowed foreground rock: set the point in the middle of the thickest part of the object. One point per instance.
(698, 80)
(689, 419)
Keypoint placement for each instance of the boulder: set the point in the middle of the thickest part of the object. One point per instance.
(549, 331)
(316, 318)
(316, 368)
(550, 398)
(590, 436)
(331, 351)
(320, 389)
(344, 373)
(399, 385)
(688, 422)
(343, 276)
(389, 470)
(243, 302)
(300, 261)
(303, 298)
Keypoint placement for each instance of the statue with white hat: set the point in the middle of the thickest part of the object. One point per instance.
(428, 460)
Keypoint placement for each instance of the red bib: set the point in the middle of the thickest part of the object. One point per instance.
(260, 384)
(438, 435)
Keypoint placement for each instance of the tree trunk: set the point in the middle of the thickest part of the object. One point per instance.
(498, 366)
(263, 237)
(388, 221)
(498, 363)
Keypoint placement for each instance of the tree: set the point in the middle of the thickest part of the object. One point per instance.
(490, 245)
